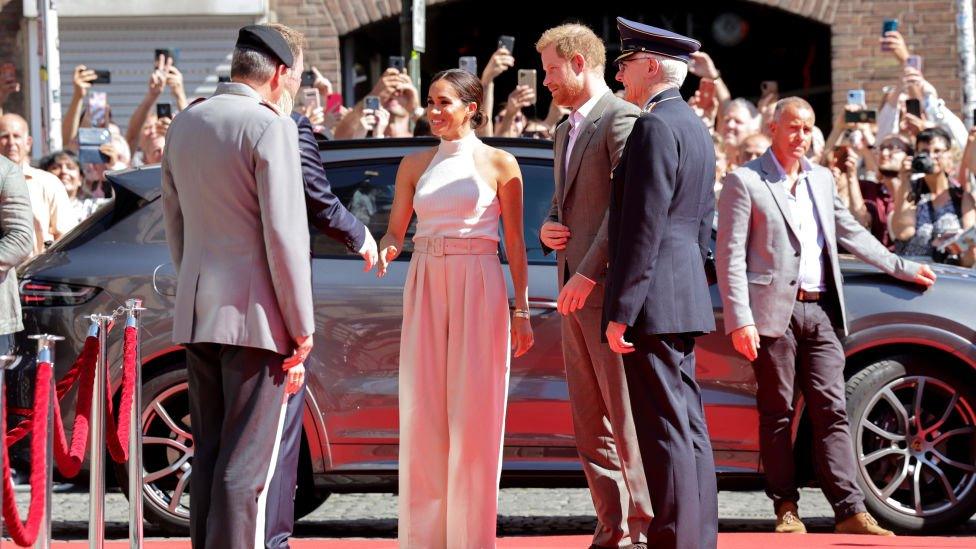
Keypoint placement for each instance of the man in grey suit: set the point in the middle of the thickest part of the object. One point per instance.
(238, 232)
(16, 245)
(587, 146)
(780, 221)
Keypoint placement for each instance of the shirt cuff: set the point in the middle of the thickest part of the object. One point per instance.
(585, 277)
(368, 242)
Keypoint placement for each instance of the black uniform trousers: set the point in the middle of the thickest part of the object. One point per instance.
(808, 357)
(236, 402)
(280, 513)
(673, 439)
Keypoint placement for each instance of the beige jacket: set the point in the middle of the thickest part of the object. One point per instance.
(236, 224)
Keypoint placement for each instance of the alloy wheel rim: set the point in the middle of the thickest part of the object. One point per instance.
(916, 446)
(168, 451)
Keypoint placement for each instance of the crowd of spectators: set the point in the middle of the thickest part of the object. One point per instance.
(905, 171)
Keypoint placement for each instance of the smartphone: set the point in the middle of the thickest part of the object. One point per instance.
(102, 77)
(856, 97)
(860, 117)
(97, 108)
(397, 62)
(769, 87)
(308, 78)
(8, 71)
(507, 42)
(468, 63)
(333, 102)
(166, 53)
(526, 77)
(889, 25)
(311, 98)
(164, 110)
(89, 140)
(223, 78)
(913, 106)
(371, 102)
(914, 61)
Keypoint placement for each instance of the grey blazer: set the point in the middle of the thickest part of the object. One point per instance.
(236, 224)
(582, 194)
(16, 241)
(758, 252)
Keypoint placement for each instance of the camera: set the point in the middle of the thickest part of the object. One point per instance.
(923, 163)
(397, 62)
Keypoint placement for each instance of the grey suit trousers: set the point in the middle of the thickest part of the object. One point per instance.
(604, 429)
(236, 406)
(674, 443)
(808, 357)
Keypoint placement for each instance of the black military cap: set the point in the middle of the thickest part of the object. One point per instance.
(265, 39)
(638, 37)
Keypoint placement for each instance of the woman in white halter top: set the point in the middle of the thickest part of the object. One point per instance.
(456, 339)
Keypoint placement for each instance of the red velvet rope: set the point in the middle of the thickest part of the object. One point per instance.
(85, 361)
(26, 534)
(118, 437)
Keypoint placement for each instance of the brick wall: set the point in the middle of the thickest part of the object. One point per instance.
(928, 26)
(12, 43)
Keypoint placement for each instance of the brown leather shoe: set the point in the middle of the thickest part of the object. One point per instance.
(862, 524)
(788, 520)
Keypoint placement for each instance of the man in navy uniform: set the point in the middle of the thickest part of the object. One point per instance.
(657, 299)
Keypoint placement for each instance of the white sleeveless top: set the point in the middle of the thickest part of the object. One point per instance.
(452, 199)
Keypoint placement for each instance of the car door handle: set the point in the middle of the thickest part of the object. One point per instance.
(537, 303)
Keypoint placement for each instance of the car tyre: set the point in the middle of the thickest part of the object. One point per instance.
(913, 424)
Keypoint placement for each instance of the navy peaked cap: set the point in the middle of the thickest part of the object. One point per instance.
(637, 37)
(265, 39)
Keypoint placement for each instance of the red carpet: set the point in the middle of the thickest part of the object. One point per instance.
(725, 541)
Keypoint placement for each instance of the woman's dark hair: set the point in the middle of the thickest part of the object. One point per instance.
(48, 162)
(469, 90)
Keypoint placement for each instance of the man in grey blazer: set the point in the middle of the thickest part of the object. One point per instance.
(16, 245)
(780, 221)
(237, 229)
(587, 146)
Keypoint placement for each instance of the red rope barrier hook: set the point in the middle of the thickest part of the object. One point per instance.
(25, 534)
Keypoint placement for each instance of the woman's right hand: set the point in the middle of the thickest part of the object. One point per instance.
(389, 250)
(82, 79)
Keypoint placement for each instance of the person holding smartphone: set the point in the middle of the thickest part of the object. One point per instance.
(146, 131)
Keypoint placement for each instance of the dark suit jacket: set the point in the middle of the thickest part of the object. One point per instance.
(661, 210)
(325, 211)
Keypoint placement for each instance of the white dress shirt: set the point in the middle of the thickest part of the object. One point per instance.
(804, 213)
(575, 118)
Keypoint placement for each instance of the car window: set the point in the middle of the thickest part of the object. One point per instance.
(366, 190)
(537, 197)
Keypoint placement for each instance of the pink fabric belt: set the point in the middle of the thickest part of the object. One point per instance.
(438, 246)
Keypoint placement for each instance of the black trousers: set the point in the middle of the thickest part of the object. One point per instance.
(673, 439)
(808, 357)
(280, 513)
(236, 404)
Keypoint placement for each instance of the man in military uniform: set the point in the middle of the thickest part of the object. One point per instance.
(657, 299)
(238, 234)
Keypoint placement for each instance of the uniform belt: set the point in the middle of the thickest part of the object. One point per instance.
(438, 246)
(809, 297)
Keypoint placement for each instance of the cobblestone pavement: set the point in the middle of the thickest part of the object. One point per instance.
(521, 512)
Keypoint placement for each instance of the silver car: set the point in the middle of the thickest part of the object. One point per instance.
(911, 359)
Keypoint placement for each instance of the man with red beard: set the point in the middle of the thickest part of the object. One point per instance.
(587, 147)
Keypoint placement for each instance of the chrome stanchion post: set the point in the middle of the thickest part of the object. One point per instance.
(134, 320)
(45, 353)
(96, 484)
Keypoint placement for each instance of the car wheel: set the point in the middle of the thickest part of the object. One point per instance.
(167, 451)
(913, 423)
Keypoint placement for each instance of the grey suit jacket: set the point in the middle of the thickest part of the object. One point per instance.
(236, 224)
(582, 194)
(758, 252)
(16, 241)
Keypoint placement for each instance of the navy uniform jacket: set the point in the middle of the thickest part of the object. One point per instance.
(325, 211)
(661, 208)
